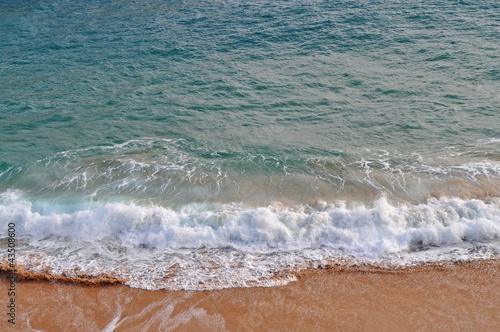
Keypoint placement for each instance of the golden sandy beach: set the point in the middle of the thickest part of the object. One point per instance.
(452, 297)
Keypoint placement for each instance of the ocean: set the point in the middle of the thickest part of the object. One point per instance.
(211, 144)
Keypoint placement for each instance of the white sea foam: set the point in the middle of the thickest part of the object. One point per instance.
(170, 173)
(230, 245)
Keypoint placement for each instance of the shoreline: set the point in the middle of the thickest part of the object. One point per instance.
(458, 296)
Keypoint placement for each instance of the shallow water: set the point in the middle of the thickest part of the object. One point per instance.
(227, 141)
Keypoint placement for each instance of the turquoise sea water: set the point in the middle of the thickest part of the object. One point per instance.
(244, 138)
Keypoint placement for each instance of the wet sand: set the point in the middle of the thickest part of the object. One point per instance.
(455, 297)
